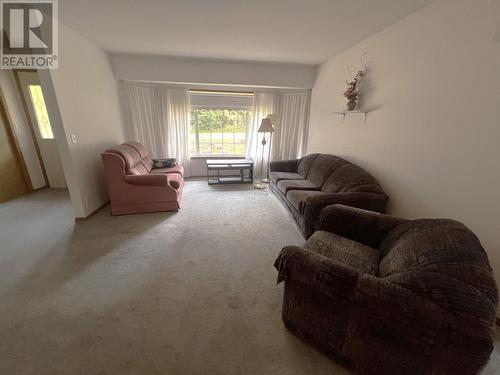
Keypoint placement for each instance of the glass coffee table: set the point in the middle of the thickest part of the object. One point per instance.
(244, 167)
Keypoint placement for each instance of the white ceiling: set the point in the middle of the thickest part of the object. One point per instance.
(292, 31)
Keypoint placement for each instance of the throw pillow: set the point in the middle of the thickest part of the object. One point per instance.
(164, 163)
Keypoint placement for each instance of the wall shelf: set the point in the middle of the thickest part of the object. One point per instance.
(344, 113)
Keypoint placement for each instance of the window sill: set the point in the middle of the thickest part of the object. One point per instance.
(215, 156)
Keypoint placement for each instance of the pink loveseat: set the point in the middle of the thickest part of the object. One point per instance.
(134, 186)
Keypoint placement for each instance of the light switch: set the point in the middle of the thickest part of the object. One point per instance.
(73, 138)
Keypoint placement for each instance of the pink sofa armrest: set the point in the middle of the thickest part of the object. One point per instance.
(147, 179)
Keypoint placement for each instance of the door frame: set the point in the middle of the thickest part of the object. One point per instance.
(11, 134)
(30, 121)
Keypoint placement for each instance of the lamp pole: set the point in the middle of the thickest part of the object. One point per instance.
(265, 127)
(266, 180)
(262, 157)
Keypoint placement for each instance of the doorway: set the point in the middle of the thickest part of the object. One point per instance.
(15, 180)
(41, 129)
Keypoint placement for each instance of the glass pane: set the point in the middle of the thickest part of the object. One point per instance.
(42, 117)
(219, 131)
(192, 136)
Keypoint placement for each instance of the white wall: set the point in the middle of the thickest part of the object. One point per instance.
(206, 71)
(432, 136)
(82, 99)
(21, 128)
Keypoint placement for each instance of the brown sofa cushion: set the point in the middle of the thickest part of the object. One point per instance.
(296, 197)
(351, 178)
(323, 166)
(344, 251)
(305, 164)
(285, 185)
(277, 176)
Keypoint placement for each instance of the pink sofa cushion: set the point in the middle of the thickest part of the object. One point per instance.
(137, 160)
(130, 155)
(147, 180)
(146, 160)
(177, 169)
(139, 147)
(138, 169)
(148, 163)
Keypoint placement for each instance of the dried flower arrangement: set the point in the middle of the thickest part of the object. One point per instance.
(353, 91)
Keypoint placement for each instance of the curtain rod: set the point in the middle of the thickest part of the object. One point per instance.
(221, 92)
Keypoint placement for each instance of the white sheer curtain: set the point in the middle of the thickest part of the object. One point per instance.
(178, 112)
(147, 117)
(264, 103)
(159, 118)
(291, 134)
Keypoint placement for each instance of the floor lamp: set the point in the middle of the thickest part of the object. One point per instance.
(265, 127)
(275, 121)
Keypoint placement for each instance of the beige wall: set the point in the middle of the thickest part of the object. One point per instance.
(432, 136)
(186, 70)
(82, 99)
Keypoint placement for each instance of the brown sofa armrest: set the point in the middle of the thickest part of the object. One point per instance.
(148, 179)
(284, 166)
(401, 316)
(366, 227)
(313, 205)
(317, 271)
(395, 305)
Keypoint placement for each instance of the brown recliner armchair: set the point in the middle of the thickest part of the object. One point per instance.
(385, 295)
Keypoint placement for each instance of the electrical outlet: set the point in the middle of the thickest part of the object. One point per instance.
(73, 138)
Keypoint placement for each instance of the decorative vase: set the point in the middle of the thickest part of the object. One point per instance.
(351, 105)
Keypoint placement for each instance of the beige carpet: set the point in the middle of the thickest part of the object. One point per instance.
(192, 292)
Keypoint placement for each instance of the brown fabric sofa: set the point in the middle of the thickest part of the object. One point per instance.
(309, 184)
(385, 295)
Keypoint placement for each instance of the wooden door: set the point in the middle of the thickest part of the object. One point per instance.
(31, 90)
(12, 171)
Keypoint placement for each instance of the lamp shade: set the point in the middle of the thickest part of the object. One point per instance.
(275, 119)
(265, 126)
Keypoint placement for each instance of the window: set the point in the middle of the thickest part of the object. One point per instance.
(219, 131)
(219, 121)
(42, 117)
